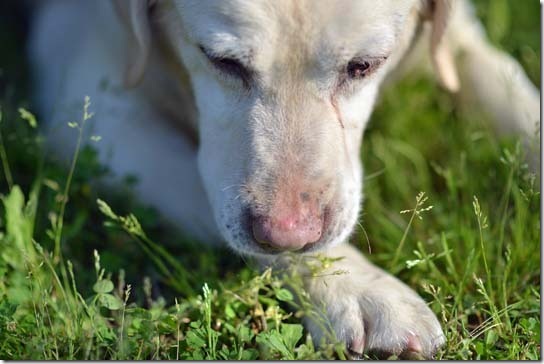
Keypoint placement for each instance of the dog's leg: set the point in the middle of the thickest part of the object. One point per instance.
(368, 308)
(490, 79)
(137, 139)
(494, 79)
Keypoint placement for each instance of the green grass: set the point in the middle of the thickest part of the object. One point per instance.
(81, 278)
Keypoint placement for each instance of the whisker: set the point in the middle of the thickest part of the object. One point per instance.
(231, 186)
(366, 236)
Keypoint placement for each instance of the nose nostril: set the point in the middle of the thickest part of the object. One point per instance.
(287, 233)
(305, 197)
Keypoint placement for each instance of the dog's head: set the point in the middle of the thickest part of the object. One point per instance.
(283, 89)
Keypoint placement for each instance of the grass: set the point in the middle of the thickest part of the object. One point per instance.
(450, 208)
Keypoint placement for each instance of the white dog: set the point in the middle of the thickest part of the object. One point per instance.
(243, 121)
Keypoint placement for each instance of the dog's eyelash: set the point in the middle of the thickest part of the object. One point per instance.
(229, 66)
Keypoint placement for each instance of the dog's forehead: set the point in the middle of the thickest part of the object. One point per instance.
(259, 27)
(226, 26)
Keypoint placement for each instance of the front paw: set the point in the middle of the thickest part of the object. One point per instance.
(374, 313)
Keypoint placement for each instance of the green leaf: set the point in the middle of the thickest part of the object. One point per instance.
(18, 243)
(245, 334)
(250, 354)
(136, 323)
(197, 355)
(7, 309)
(195, 324)
(491, 338)
(110, 301)
(479, 347)
(28, 116)
(139, 312)
(284, 295)
(274, 340)
(103, 286)
(291, 334)
(105, 333)
(194, 340)
(267, 301)
(229, 312)
(168, 324)
(230, 329)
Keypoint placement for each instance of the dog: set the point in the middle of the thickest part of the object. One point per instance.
(243, 121)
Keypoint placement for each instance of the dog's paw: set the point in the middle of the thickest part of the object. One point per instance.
(379, 315)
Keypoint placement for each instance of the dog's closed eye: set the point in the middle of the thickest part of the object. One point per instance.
(229, 66)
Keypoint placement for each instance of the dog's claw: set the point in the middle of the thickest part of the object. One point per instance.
(414, 344)
(357, 347)
(352, 355)
(377, 314)
(358, 344)
(414, 349)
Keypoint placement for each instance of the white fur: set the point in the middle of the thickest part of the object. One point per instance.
(297, 49)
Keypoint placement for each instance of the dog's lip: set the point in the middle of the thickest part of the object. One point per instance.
(270, 248)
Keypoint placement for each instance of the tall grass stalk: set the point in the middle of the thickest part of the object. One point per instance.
(64, 198)
(416, 211)
(4, 158)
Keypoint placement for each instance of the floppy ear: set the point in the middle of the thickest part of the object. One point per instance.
(135, 16)
(438, 12)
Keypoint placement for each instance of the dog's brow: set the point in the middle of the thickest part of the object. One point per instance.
(376, 57)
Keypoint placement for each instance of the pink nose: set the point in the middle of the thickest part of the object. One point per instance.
(288, 230)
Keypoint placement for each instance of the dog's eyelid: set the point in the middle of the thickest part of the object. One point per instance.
(209, 53)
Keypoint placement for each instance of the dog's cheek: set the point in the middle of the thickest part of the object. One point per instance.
(356, 110)
(212, 103)
(220, 163)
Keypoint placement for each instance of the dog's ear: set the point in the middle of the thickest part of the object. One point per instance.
(135, 16)
(438, 12)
